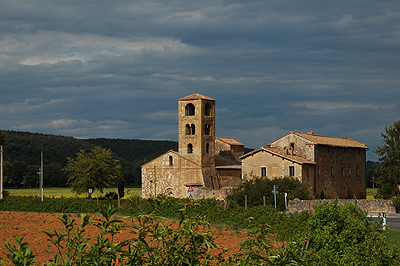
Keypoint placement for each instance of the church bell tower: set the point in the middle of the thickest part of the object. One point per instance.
(197, 129)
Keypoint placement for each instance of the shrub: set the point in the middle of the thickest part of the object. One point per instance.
(344, 235)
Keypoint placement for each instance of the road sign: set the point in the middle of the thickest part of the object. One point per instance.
(398, 186)
(190, 189)
(190, 197)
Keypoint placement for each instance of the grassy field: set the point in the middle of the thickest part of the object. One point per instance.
(371, 193)
(67, 192)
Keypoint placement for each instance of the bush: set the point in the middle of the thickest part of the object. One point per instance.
(257, 188)
(343, 235)
(396, 202)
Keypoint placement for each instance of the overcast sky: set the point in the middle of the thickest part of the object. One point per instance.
(115, 69)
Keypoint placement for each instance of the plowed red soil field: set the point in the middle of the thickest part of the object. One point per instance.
(30, 224)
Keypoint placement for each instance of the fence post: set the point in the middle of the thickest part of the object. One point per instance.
(264, 200)
(245, 201)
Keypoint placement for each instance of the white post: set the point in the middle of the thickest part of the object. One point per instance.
(1, 172)
(286, 200)
(384, 221)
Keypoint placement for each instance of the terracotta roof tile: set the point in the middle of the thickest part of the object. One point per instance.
(331, 141)
(196, 96)
(231, 141)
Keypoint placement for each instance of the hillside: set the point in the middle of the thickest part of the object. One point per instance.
(22, 155)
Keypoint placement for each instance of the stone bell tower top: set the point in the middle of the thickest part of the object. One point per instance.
(197, 129)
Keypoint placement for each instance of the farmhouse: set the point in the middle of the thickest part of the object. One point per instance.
(329, 166)
(201, 160)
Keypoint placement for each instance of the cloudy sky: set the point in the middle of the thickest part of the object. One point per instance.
(115, 69)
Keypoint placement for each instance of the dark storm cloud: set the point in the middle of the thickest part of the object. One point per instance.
(116, 68)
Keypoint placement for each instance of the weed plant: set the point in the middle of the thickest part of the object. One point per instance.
(338, 235)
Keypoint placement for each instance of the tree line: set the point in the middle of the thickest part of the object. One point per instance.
(22, 156)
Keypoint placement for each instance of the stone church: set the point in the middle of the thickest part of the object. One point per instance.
(329, 166)
(202, 161)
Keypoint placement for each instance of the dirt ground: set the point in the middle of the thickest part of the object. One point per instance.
(30, 224)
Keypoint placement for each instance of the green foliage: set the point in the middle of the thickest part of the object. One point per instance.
(257, 188)
(26, 147)
(389, 168)
(396, 202)
(156, 243)
(20, 255)
(3, 137)
(96, 170)
(339, 235)
(343, 235)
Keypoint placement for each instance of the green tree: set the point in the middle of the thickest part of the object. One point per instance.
(2, 137)
(389, 168)
(96, 170)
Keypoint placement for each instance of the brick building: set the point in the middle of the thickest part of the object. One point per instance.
(201, 160)
(329, 166)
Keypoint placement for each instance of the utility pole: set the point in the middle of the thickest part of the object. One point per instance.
(41, 176)
(1, 171)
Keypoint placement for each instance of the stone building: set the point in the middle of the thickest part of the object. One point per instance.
(201, 160)
(330, 166)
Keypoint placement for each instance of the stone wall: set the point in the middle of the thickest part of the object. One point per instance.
(207, 193)
(371, 206)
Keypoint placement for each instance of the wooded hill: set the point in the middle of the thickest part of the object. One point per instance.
(22, 156)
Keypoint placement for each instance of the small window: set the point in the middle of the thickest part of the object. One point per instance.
(342, 171)
(319, 170)
(207, 147)
(190, 109)
(331, 170)
(207, 129)
(291, 170)
(171, 161)
(189, 148)
(190, 129)
(263, 171)
(358, 171)
(207, 109)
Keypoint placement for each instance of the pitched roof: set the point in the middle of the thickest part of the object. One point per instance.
(170, 151)
(280, 153)
(331, 141)
(223, 161)
(230, 141)
(196, 96)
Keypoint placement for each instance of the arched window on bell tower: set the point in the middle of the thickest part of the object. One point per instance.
(189, 109)
(190, 129)
(190, 148)
(207, 109)
(207, 129)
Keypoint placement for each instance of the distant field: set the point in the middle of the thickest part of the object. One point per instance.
(67, 192)
(371, 193)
